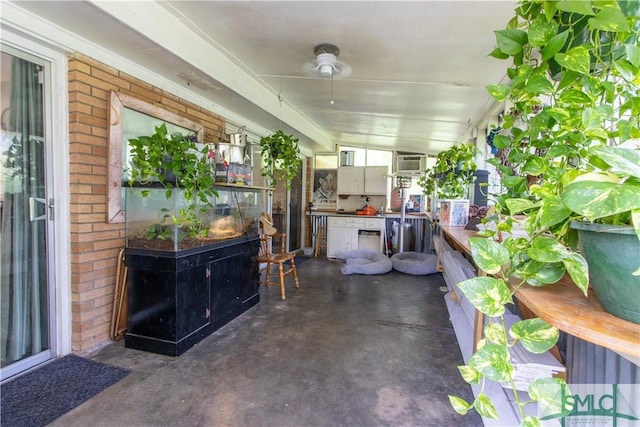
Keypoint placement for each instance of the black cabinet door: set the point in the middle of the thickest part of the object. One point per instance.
(192, 301)
(234, 279)
(166, 304)
(225, 279)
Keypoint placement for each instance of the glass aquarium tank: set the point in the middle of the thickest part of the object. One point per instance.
(162, 219)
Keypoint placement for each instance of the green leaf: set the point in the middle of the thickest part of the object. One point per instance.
(610, 19)
(600, 199)
(559, 114)
(511, 41)
(459, 405)
(489, 255)
(633, 54)
(547, 249)
(535, 335)
(492, 361)
(541, 30)
(591, 118)
(538, 84)
(576, 59)
(553, 212)
(632, 104)
(635, 221)
(499, 92)
(485, 407)
(597, 133)
(567, 79)
(501, 141)
(534, 166)
(552, 394)
(543, 273)
(469, 374)
(554, 45)
(487, 294)
(625, 160)
(574, 96)
(530, 421)
(495, 333)
(517, 206)
(626, 69)
(575, 6)
(549, 9)
(498, 54)
(578, 270)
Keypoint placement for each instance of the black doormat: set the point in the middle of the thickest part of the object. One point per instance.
(44, 394)
(300, 259)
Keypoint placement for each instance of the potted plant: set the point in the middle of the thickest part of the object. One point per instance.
(605, 208)
(450, 177)
(175, 164)
(452, 174)
(573, 91)
(281, 155)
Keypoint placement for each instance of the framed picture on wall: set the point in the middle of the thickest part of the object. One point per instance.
(325, 183)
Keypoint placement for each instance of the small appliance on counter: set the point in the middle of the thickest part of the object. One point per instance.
(367, 210)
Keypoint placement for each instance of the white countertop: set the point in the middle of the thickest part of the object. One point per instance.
(416, 215)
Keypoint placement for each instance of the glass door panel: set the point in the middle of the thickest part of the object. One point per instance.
(24, 290)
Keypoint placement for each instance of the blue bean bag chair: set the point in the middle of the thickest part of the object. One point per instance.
(365, 261)
(415, 263)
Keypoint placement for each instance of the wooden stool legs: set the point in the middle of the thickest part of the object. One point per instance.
(321, 239)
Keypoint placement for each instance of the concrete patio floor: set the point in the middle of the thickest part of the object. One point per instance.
(340, 351)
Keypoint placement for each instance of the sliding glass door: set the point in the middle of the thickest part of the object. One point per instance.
(26, 321)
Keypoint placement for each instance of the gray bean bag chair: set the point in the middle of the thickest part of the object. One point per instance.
(365, 261)
(415, 263)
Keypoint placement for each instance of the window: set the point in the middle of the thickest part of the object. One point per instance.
(326, 161)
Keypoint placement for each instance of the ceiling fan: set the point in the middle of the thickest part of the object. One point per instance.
(326, 64)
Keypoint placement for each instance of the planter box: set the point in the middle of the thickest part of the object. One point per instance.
(454, 212)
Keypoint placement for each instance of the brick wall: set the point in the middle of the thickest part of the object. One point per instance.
(95, 244)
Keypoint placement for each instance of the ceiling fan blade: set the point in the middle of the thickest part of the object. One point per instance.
(341, 70)
(310, 68)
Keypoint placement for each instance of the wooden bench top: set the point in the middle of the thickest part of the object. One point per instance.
(564, 306)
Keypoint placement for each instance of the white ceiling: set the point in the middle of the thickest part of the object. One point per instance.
(419, 68)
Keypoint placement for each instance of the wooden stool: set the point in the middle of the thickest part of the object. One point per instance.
(321, 239)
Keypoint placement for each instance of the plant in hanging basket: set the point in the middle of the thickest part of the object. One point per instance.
(451, 175)
(281, 155)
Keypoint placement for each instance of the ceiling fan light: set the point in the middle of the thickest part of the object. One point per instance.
(326, 70)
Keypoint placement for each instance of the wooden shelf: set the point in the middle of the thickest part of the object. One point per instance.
(564, 306)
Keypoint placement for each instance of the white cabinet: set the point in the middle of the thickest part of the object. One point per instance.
(346, 233)
(375, 180)
(358, 180)
(339, 237)
(351, 180)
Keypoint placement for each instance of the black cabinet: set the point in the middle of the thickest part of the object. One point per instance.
(175, 299)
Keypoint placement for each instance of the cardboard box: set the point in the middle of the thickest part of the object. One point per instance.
(454, 213)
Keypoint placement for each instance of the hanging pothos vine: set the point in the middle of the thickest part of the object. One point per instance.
(281, 155)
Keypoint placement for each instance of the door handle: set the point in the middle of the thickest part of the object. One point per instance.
(32, 209)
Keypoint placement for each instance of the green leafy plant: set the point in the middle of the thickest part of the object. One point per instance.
(281, 154)
(568, 151)
(452, 174)
(174, 162)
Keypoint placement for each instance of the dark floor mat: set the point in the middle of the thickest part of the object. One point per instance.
(39, 397)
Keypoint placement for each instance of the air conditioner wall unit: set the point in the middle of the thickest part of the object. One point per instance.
(409, 164)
